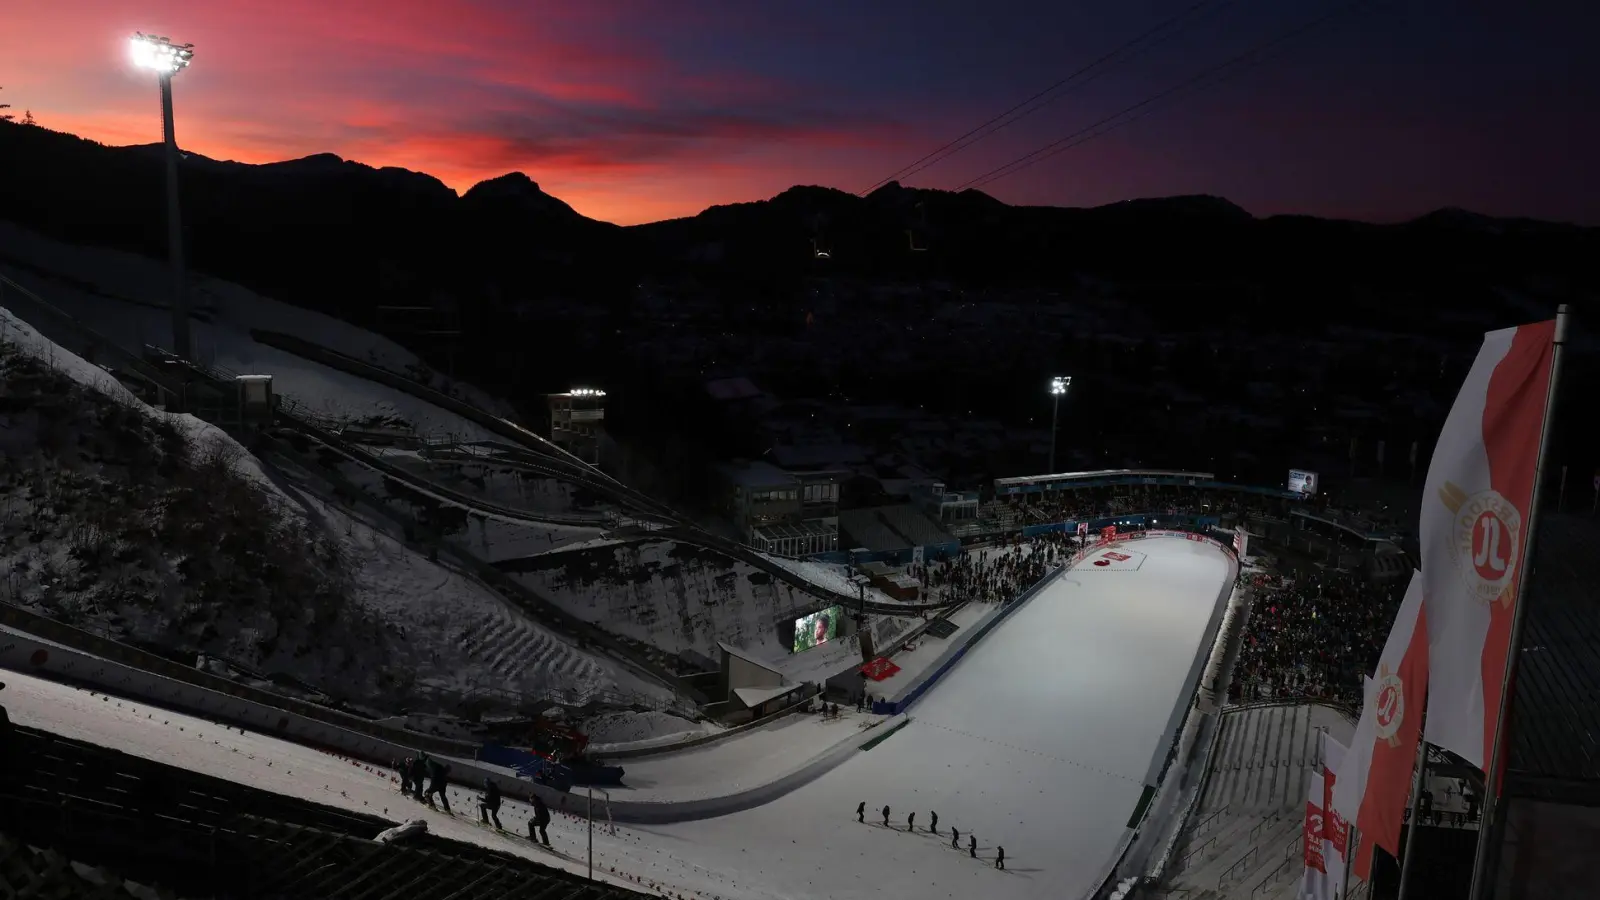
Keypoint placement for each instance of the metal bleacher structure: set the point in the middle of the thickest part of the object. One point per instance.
(890, 528)
(1242, 840)
(79, 820)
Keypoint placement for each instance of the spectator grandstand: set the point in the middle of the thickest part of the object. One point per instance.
(1313, 636)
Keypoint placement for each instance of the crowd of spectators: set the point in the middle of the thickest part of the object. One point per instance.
(1104, 502)
(994, 574)
(1313, 635)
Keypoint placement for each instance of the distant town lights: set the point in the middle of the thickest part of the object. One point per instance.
(160, 55)
(587, 392)
(1059, 384)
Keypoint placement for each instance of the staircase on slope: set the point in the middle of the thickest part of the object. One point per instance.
(1249, 812)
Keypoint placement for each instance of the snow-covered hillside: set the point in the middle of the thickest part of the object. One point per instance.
(126, 298)
(673, 595)
(161, 530)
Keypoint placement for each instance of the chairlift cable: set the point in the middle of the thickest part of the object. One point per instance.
(1012, 115)
(1145, 107)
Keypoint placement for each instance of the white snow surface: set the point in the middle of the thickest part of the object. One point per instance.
(451, 637)
(739, 762)
(459, 640)
(675, 596)
(833, 576)
(610, 732)
(1038, 740)
(201, 435)
(126, 298)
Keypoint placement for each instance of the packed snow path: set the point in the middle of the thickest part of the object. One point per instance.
(1039, 740)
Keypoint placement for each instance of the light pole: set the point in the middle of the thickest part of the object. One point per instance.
(1058, 387)
(607, 795)
(166, 59)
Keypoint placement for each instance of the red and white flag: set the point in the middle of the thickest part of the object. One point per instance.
(1335, 830)
(1476, 504)
(1314, 884)
(1374, 782)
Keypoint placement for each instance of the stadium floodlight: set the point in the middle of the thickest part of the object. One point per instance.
(1058, 387)
(161, 56)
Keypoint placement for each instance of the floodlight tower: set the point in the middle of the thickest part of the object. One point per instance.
(1058, 388)
(166, 59)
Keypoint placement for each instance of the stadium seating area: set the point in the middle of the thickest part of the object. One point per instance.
(1313, 636)
(1015, 511)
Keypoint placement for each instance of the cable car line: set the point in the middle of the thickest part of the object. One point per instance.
(1033, 104)
(1088, 133)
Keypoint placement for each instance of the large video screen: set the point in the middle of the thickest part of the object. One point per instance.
(817, 628)
(1302, 482)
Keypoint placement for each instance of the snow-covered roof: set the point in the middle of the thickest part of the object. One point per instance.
(735, 651)
(755, 696)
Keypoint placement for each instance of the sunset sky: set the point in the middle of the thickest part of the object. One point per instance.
(635, 111)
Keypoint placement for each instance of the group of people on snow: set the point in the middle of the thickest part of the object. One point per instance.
(995, 574)
(933, 828)
(415, 772)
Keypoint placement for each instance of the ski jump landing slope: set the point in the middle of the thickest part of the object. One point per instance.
(1039, 740)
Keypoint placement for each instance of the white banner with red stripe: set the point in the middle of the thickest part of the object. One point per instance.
(1374, 781)
(1476, 503)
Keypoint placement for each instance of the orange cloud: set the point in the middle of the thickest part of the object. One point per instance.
(590, 102)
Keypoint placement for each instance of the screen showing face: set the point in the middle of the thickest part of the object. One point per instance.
(1302, 482)
(817, 628)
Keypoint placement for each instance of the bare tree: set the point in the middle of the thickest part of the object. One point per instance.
(27, 118)
(5, 116)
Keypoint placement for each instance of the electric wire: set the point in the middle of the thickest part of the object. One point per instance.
(1039, 100)
(1146, 106)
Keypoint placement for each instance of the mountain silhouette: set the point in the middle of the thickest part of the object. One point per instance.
(346, 238)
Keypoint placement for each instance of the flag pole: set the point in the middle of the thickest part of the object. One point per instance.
(1519, 613)
(1418, 783)
(1351, 838)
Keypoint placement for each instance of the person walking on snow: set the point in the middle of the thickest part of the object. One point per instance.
(934, 827)
(972, 846)
(955, 838)
(489, 806)
(419, 773)
(861, 811)
(439, 783)
(886, 816)
(911, 821)
(999, 857)
(404, 770)
(539, 822)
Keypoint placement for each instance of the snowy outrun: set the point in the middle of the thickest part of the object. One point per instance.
(1039, 740)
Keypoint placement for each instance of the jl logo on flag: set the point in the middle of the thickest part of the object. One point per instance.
(1390, 710)
(1484, 531)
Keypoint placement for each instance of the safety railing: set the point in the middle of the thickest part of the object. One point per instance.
(1204, 824)
(1236, 872)
(1271, 880)
(1343, 709)
(1192, 854)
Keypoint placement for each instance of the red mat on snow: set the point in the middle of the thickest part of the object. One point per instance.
(880, 668)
